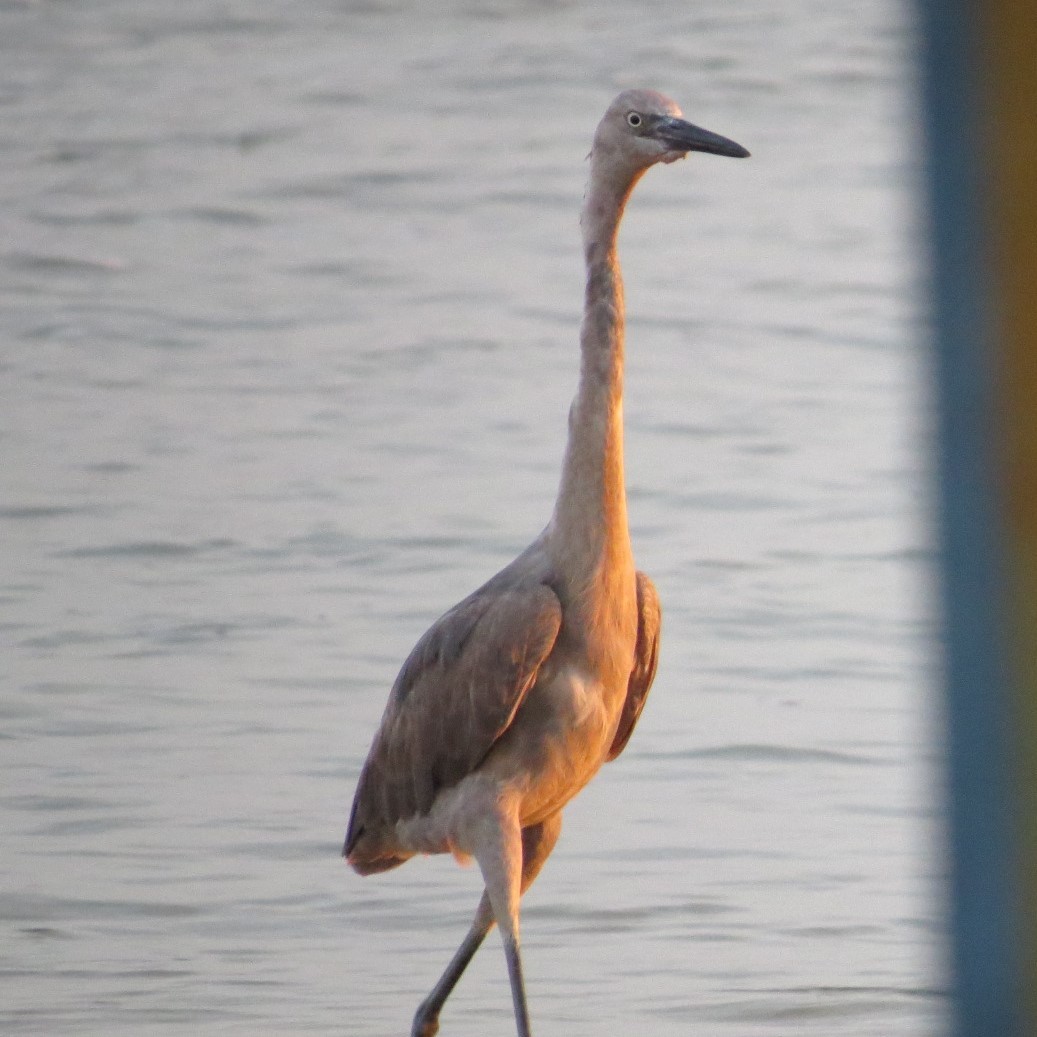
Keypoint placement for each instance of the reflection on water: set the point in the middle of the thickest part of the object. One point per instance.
(289, 309)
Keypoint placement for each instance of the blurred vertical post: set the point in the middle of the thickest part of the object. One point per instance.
(979, 67)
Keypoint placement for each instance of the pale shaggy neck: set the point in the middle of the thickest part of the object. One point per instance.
(589, 529)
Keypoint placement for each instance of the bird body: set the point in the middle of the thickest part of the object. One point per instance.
(514, 698)
(561, 680)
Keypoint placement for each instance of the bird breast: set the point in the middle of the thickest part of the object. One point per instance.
(558, 740)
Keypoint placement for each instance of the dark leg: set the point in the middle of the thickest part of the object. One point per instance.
(426, 1021)
(537, 844)
(518, 988)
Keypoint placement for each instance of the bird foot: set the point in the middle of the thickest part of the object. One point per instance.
(425, 1025)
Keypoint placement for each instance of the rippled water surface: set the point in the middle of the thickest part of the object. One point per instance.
(289, 297)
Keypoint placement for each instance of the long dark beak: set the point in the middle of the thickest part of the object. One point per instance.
(683, 136)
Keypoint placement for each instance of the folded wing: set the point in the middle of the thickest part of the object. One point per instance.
(646, 658)
(455, 696)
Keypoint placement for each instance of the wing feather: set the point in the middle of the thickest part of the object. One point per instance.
(646, 659)
(454, 697)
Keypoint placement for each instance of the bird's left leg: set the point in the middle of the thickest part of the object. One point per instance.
(537, 843)
(499, 853)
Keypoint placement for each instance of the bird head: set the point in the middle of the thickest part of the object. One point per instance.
(642, 127)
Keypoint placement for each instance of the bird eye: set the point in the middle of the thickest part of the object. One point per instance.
(633, 119)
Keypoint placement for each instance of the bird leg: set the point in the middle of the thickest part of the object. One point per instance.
(426, 1020)
(537, 843)
(499, 853)
(518, 988)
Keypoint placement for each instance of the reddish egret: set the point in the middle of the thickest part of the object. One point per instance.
(514, 698)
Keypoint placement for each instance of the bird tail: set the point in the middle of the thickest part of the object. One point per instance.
(363, 853)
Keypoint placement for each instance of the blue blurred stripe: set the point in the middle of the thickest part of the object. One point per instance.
(986, 954)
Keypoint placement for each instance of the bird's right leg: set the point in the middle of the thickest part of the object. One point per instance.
(537, 843)
(426, 1020)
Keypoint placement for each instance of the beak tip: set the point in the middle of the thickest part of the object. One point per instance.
(684, 136)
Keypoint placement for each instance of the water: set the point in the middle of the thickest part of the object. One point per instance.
(289, 307)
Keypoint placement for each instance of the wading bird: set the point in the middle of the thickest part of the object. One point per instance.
(514, 698)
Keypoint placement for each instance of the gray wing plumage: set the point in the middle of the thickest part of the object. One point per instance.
(454, 697)
(646, 659)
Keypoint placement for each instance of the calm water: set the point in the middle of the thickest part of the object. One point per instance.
(288, 308)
